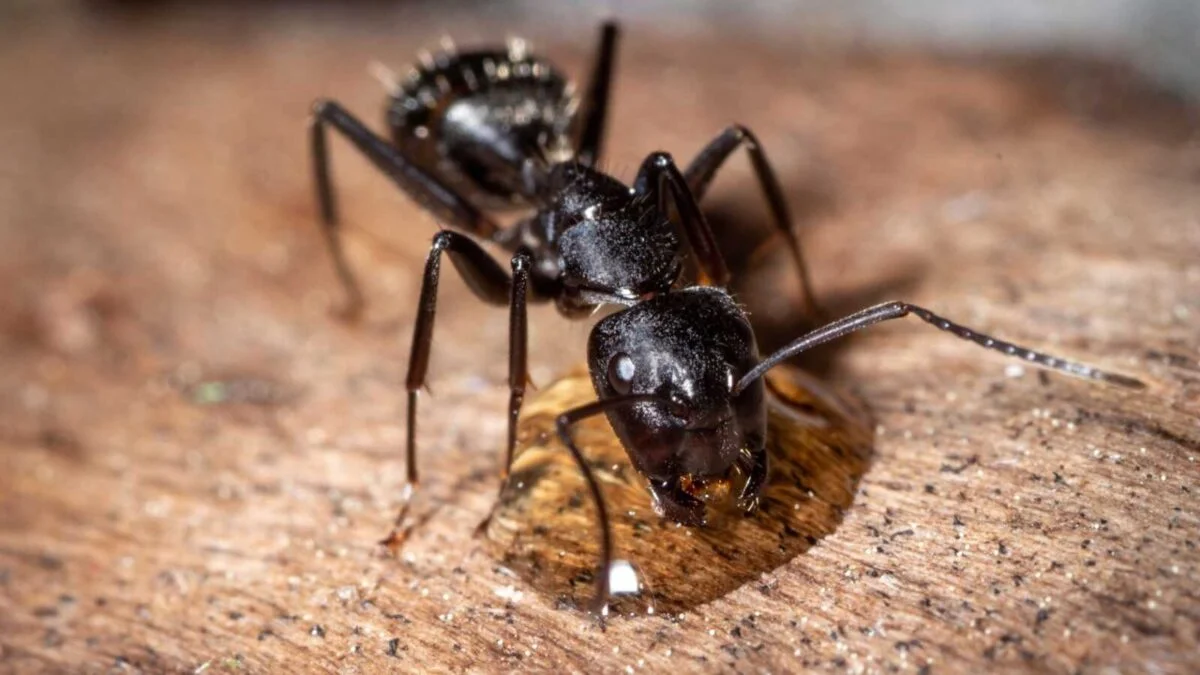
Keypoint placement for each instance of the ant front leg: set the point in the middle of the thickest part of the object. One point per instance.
(704, 167)
(659, 178)
(518, 368)
(419, 184)
(490, 283)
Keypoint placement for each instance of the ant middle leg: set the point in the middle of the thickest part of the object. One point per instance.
(712, 157)
(431, 193)
(491, 284)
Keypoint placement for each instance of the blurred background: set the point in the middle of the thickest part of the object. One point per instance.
(189, 440)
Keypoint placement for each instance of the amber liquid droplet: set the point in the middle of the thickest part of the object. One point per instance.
(544, 526)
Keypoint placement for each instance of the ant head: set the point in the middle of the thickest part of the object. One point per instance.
(687, 348)
(614, 245)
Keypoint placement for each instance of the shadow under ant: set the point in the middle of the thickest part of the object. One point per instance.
(763, 280)
(820, 446)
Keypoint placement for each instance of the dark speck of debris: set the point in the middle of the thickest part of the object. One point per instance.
(236, 616)
(317, 630)
(967, 463)
(45, 612)
(392, 646)
(264, 634)
(736, 632)
(958, 521)
(397, 616)
(52, 639)
(1042, 616)
(929, 489)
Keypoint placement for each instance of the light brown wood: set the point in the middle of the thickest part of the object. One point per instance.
(198, 460)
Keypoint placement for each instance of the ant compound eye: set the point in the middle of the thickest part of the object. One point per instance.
(620, 373)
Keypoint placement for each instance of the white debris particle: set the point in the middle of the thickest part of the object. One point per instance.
(509, 593)
(622, 578)
(1014, 370)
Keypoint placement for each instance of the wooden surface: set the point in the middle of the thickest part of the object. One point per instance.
(197, 460)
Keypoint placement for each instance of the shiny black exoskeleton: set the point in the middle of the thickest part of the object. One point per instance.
(501, 130)
(676, 370)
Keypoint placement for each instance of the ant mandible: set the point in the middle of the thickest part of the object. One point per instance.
(676, 370)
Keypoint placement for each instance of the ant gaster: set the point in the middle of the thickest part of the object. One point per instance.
(677, 371)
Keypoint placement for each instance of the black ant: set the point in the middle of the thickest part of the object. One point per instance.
(677, 370)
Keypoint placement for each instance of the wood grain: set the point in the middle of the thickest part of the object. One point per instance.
(197, 460)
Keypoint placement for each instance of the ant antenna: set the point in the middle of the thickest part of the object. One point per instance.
(895, 310)
(563, 425)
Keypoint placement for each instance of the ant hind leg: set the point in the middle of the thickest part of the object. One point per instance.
(444, 202)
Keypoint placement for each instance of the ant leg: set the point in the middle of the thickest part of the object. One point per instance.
(490, 283)
(563, 425)
(431, 193)
(660, 179)
(895, 310)
(594, 107)
(518, 369)
(710, 160)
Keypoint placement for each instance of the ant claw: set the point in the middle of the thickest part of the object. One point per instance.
(395, 539)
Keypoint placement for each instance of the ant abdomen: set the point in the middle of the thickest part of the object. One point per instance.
(475, 117)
